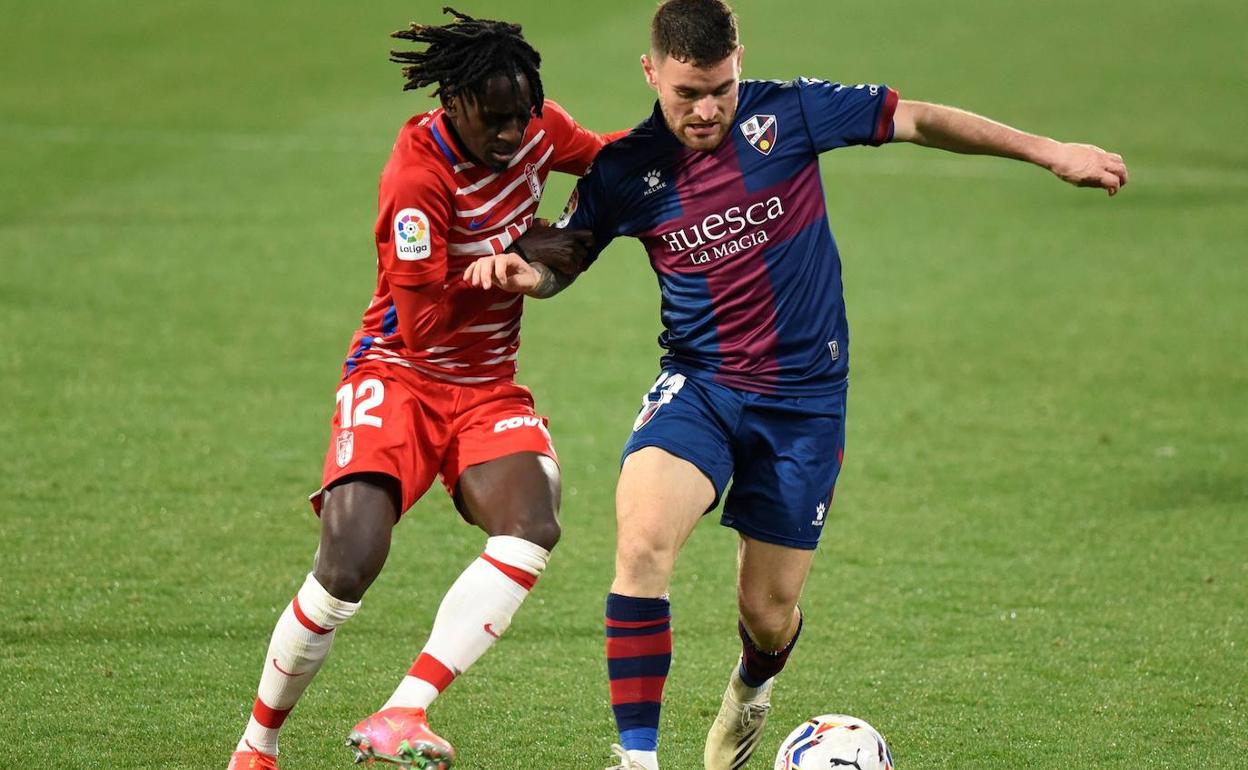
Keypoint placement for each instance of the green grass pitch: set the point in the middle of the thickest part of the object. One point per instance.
(1038, 556)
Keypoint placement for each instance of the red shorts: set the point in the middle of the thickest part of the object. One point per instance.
(393, 420)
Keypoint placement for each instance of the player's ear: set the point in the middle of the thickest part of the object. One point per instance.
(450, 105)
(740, 58)
(647, 66)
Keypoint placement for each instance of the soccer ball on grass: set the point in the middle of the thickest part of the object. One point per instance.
(831, 741)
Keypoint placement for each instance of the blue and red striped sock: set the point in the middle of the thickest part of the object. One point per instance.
(639, 655)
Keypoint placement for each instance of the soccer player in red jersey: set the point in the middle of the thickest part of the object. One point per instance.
(428, 387)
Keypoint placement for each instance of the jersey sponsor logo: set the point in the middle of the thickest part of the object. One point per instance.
(411, 235)
(344, 448)
(760, 132)
(476, 224)
(724, 233)
(535, 181)
(511, 423)
(834, 347)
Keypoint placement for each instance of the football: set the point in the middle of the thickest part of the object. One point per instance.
(834, 740)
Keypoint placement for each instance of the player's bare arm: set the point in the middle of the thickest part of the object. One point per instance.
(511, 273)
(557, 257)
(564, 250)
(955, 130)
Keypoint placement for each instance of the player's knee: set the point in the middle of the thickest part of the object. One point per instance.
(536, 521)
(768, 618)
(346, 582)
(644, 562)
(542, 530)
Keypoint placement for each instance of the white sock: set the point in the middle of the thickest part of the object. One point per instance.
(647, 759)
(300, 644)
(474, 614)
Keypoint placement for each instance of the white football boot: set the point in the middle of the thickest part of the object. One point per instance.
(738, 729)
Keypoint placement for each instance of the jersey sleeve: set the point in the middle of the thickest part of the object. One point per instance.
(590, 208)
(413, 217)
(575, 146)
(839, 115)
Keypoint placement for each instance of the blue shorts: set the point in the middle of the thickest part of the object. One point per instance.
(783, 453)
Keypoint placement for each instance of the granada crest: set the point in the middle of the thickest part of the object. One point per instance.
(535, 182)
(344, 448)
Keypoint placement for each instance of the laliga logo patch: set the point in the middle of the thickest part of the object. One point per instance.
(760, 132)
(411, 235)
(535, 183)
(344, 448)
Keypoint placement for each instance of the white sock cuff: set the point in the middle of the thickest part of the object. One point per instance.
(320, 607)
(518, 552)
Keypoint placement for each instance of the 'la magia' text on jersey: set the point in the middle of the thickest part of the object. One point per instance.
(749, 272)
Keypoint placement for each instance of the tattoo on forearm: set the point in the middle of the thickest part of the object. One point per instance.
(550, 282)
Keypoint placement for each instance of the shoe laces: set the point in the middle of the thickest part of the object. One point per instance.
(626, 762)
(751, 712)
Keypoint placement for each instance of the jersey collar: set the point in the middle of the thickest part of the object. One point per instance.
(444, 135)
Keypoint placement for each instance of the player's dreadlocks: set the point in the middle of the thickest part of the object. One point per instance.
(463, 55)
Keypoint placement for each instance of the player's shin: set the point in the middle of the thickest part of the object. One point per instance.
(475, 612)
(759, 665)
(299, 645)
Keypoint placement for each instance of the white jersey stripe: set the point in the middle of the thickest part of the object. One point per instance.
(454, 378)
(486, 327)
(500, 359)
(433, 372)
(495, 244)
(517, 211)
(519, 180)
(519, 156)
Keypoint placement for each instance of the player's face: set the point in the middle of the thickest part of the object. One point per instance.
(491, 126)
(698, 103)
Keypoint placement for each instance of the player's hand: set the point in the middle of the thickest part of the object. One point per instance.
(506, 271)
(1085, 165)
(563, 250)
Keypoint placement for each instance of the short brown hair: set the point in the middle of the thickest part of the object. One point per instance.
(700, 32)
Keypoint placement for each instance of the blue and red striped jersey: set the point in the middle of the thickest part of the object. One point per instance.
(747, 265)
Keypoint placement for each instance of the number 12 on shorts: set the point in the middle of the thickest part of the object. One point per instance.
(365, 396)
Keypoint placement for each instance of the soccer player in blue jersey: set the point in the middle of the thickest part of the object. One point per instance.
(721, 185)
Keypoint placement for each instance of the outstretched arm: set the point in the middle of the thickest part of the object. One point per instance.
(510, 272)
(948, 128)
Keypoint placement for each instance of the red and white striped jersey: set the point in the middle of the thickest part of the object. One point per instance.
(437, 213)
